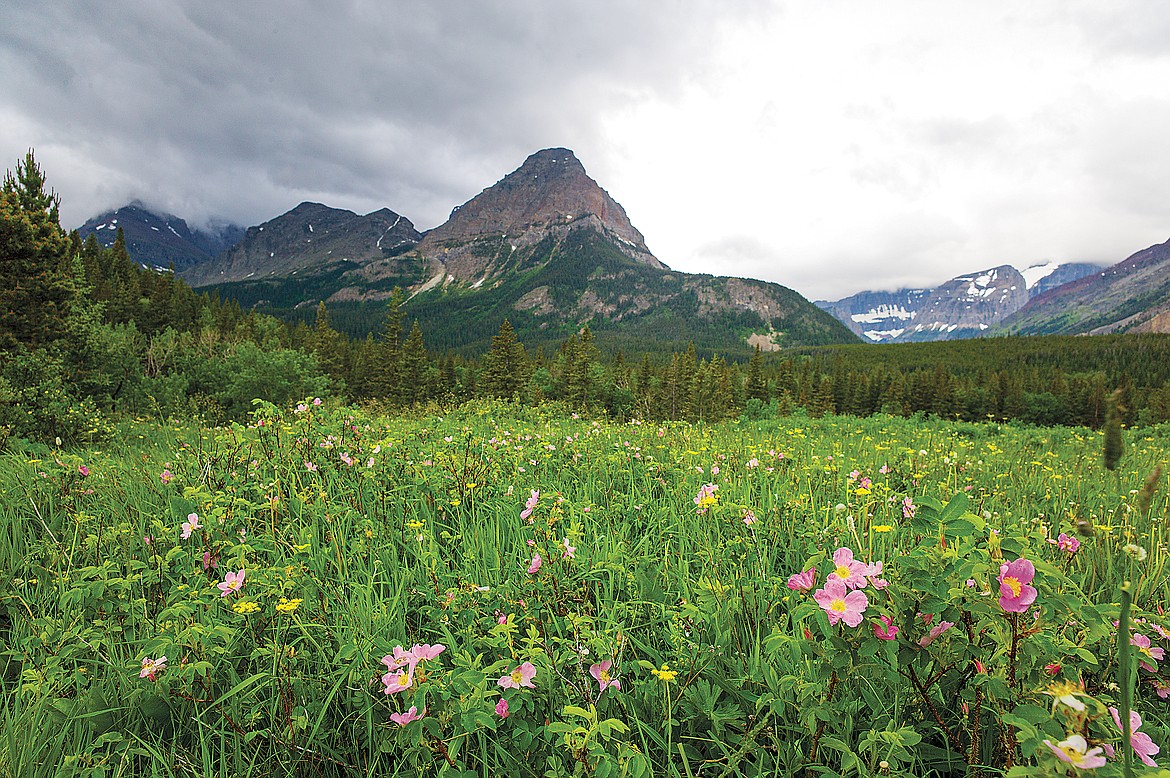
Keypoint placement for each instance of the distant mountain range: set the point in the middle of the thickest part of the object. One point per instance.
(968, 306)
(161, 241)
(549, 249)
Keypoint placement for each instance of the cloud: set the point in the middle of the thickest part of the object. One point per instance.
(243, 109)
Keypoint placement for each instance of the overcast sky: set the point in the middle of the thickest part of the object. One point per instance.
(828, 145)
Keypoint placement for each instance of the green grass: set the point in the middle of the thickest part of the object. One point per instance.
(421, 541)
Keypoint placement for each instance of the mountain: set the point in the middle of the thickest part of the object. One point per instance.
(161, 240)
(1131, 296)
(312, 240)
(545, 247)
(967, 306)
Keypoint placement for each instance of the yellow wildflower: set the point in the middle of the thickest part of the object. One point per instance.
(288, 606)
(246, 606)
(666, 675)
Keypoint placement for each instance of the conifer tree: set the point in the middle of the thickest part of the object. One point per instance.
(505, 368)
(757, 385)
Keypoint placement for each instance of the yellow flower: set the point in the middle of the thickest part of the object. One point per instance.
(288, 606)
(666, 675)
(415, 524)
(246, 606)
(882, 528)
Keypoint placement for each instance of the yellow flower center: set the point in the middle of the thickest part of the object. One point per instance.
(843, 572)
(837, 605)
(517, 676)
(604, 676)
(403, 680)
(1014, 585)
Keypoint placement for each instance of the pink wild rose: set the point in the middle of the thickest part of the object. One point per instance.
(1077, 753)
(166, 477)
(848, 570)
(521, 676)
(397, 681)
(840, 603)
(600, 673)
(1142, 745)
(1015, 594)
(535, 564)
(231, 583)
(152, 667)
(530, 504)
(402, 719)
(1148, 655)
(886, 629)
(935, 631)
(190, 525)
(502, 708)
(802, 582)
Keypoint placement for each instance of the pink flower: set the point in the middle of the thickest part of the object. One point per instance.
(1066, 542)
(1153, 653)
(600, 673)
(190, 525)
(886, 630)
(401, 658)
(232, 582)
(884, 469)
(312, 468)
(1015, 594)
(1142, 745)
(424, 651)
(908, 508)
(848, 570)
(316, 401)
(935, 631)
(209, 561)
(749, 518)
(165, 476)
(706, 497)
(535, 564)
(570, 551)
(1077, 753)
(397, 681)
(152, 667)
(83, 470)
(502, 708)
(873, 573)
(840, 603)
(530, 504)
(802, 582)
(1162, 688)
(521, 676)
(753, 463)
(1052, 668)
(347, 459)
(402, 719)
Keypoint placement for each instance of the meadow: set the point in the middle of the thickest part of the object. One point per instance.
(499, 589)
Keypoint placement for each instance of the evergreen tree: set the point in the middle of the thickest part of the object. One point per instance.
(757, 385)
(505, 367)
(415, 369)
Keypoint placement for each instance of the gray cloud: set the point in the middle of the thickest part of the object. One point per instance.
(243, 109)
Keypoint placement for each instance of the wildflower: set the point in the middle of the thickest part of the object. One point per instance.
(316, 401)
(232, 582)
(665, 674)
(848, 570)
(1052, 668)
(935, 631)
(166, 477)
(753, 463)
(427, 652)
(84, 471)
(873, 573)
(1077, 753)
(397, 681)
(402, 719)
(502, 708)
(803, 581)
(347, 459)
(908, 508)
(530, 505)
(288, 606)
(1065, 693)
(714, 469)
(570, 551)
(1015, 594)
(886, 629)
(706, 497)
(1153, 653)
(884, 469)
(246, 607)
(882, 528)
(521, 676)
(535, 564)
(1162, 688)
(210, 562)
(1138, 553)
(1141, 743)
(152, 667)
(839, 603)
(301, 408)
(401, 658)
(1066, 542)
(190, 525)
(600, 673)
(148, 539)
(749, 518)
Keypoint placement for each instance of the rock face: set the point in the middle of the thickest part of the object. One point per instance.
(964, 307)
(549, 195)
(1131, 296)
(158, 240)
(310, 239)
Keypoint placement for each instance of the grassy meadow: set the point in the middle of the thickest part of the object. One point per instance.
(505, 590)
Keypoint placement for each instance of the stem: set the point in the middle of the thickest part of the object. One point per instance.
(1124, 661)
(1014, 619)
(812, 751)
(922, 690)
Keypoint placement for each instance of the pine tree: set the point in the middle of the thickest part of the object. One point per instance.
(505, 368)
(36, 284)
(415, 368)
(757, 385)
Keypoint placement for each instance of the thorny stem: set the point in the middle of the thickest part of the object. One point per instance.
(816, 741)
(973, 756)
(1014, 619)
(922, 690)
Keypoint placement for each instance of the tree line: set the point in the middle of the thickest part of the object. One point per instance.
(86, 334)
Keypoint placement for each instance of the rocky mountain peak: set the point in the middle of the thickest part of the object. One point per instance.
(549, 192)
